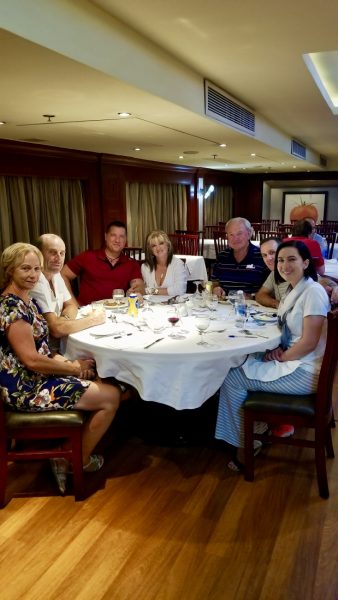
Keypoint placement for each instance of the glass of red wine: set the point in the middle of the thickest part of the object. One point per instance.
(173, 318)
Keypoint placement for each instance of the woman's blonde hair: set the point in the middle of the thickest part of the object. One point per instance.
(159, 236)
(12, 257)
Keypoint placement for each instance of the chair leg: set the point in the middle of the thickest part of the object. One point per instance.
(248, 446)
(3, 480)
(328, 443)
(321, 469)
(76, 442)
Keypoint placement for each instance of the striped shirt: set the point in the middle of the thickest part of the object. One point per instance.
(247, 275)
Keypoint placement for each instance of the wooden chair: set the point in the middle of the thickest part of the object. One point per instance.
(65, 426)
(284, 230)
(134, 252)
(256, 228)
(193, 232)
(220, 241)
(331, 240)
(263, 235)
(313, 410)
(208, 231)
(185, 243)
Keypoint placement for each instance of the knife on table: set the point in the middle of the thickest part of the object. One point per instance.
(152, 343)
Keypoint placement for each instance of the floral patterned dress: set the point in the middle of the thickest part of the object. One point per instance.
(23, 389)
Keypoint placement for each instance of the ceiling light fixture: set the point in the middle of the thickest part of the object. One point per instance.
(181, 156)
(49, 118)
(137, 149)
(252, 154)
(2, 122)
(222, 145)
(124, 114)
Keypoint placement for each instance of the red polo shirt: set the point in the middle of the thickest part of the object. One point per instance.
(98, 278)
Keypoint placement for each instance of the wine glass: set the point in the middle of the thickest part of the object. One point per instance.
(118, 296)
(202, 324)
(197, 283)
(173, 318)
(146, 297)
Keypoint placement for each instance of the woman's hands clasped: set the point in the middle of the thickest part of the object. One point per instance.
(87, 368)
(275, 354)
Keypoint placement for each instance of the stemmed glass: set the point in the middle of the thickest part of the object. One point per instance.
(118, 295)
(202, 324)
(173, 318)
(197, 282)
(146, 297)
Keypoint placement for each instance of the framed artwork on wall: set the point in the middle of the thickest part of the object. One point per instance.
(297, 205)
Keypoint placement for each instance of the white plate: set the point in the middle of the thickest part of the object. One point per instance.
(264, 318)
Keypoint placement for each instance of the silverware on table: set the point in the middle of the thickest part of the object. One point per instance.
(152, 343)
(254, 334)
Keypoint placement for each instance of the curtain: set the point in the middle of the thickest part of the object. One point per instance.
(32, 206)
(218, 206)
(154, 206)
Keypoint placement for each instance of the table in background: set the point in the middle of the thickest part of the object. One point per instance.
(331, 268)
(177, 373)
(195, 267)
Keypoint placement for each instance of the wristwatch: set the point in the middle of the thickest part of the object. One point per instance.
(156, 291)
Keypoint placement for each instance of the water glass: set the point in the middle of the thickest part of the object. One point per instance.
(118, 295)
(241, 313)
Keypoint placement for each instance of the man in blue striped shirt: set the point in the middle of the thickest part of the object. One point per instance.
(240, 266)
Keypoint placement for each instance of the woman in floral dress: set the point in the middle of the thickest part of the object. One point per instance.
(31, 378)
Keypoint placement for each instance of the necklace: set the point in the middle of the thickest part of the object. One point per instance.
(161, 272)
(112, 261)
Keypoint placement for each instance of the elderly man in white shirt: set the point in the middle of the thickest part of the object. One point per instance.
(57, 304)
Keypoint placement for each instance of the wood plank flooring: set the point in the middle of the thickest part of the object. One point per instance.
(166, 523)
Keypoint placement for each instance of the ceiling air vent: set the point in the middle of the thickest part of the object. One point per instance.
(227, 109)
(322, 160)
(298, 149)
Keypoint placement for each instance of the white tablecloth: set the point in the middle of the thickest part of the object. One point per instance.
(331, 267)
(178, 373)
(195, 267)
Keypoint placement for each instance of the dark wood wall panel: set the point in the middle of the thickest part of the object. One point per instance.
(104, 178)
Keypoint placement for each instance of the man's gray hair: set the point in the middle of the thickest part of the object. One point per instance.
(239, 221)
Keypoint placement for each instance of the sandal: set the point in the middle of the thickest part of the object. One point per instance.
(236, 465)
(95, 463)
(60, 468)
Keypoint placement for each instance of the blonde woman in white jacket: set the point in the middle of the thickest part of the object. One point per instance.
(162, 270)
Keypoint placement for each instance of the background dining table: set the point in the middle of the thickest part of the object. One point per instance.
(176, 372)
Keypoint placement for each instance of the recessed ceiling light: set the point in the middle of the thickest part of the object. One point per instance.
(253, 154)
(2, 122)
(124, 114)
(181, 156)
(137, 149)
(294, 167)
(222, 145)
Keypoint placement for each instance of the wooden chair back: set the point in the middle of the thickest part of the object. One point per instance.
(193, 232)
(263, 235)
(284, 230)
(133, 252)
(331, 240)
(209, 231)
(310, 411)
(220, 241)
(185, 243)
(34, 427)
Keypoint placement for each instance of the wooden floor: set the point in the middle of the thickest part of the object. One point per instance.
(166, 523)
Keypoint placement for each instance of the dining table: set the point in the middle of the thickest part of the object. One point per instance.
(174, 371)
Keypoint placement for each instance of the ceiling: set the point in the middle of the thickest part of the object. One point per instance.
(85, 62)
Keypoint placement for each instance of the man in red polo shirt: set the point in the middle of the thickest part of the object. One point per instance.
(102, 271)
